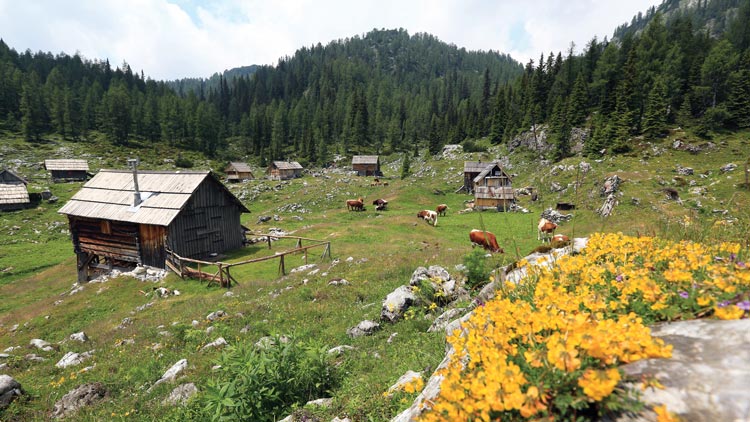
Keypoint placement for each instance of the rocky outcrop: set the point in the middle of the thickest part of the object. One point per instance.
(81, 396)
(181, 394)
(396, 303)
(10, 389)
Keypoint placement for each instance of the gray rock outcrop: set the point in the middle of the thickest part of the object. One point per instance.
(181, 394)
(172, 372)
(396, 303)
(81, 396)
(80, 337)
(72, 359)
(364, 328)
(42, 345)
(611, 185)
(440, 281)
(10, 389)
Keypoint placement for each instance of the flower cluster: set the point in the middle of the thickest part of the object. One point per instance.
(550, 346)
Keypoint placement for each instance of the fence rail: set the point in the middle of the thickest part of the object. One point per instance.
(224, 278)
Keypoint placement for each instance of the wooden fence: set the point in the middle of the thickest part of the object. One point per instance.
(223, 277)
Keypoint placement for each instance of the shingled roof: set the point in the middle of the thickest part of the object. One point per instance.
(287, 165)
(109, 195)
(15, 193)
(239, 167)
(364, 159)
(66, 164)
(476, 166)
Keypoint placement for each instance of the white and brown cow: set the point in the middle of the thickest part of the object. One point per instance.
(428, 216)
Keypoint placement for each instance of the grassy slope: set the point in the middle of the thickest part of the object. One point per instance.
(385, 247)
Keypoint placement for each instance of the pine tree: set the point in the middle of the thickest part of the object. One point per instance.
(499, 118)
(577, 105)
(560, 130)
(655, 117)
(405, 166)
(739, 94)
(32, 108)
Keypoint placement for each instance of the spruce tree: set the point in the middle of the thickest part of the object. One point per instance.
(655, 117)
(739, 94)
(577, 105)
(405, 166)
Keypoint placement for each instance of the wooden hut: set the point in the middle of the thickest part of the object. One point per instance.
(67, 169)
(493, 188)
(122, 218)
(284, 170)
(471, 171)
(236, 172)
(13, 193)
(366, 165)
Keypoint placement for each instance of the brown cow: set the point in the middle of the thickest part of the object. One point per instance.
(428, 216)
(441, 209)
(546, 229)
(478, 238)
(560, 238)
(355, 204)
(380, 204)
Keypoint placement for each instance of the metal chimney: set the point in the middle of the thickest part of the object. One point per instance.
(133, 163)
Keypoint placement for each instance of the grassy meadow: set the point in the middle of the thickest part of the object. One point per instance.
(37, 268)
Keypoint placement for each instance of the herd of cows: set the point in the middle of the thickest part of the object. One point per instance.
(483, 238)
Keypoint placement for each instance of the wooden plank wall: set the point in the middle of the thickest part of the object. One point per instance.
(106, 238)
(152, 239)
(209, 222)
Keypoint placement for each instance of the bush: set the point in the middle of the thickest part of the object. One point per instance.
(261, 384)
(476, 273)
(471, 146)
(183, 162)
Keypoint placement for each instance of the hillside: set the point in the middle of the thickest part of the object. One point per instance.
(137, 337)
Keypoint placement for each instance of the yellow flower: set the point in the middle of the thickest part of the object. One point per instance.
(729, 312)
(598, 384)
(664, 415)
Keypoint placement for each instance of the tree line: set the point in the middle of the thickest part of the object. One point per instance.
(388, 91)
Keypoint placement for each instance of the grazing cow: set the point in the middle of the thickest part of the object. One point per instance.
(560, 238)
(546, 229)
(355, 204)
(441, 209)
(380, 204)
(428, 216)
(489, 242)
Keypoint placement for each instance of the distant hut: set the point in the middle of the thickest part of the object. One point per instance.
(493, 188)
(67, 170)
(13, 193)
(471, 171)
(236, 172)
(284, 170)
(366, 165)
(122, 218)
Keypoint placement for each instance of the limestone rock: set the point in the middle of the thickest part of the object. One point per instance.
(446, 317)
(181, 394)
(72, 358)
(216, 343)
(440, 281)
(364, 328)
(396, 303)
(611, 185)
(685, 171)
(728, 167)
(42, 345)
(407, 378)
(81, 396)
(213, 316)
(608, 206)
(80, 336)
(9, 390)
(172, 372)
(325, 402)
(338, 350)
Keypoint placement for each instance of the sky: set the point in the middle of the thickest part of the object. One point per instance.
(172, 39)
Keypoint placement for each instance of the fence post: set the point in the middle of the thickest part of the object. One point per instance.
(269, 241)
(281, 264)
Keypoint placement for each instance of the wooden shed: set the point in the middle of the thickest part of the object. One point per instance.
(284, 170)
(13, 193)
(67, 169)
(237, 171)
(116, 222)
(493, 188)
(471, 171)
(366, 165)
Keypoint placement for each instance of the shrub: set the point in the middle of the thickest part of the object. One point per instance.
(183, 162)
(476, 273)
(261, 384)
(471, 146)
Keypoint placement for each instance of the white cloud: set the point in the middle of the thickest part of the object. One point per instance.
(168, 40)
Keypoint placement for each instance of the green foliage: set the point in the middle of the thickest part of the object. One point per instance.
(183, 162)
(476, 272)
(405, 166)
(472, 146)
(262, 383)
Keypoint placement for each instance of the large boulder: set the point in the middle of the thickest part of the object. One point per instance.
(10, 389)
(707, 378)
(172, 372)
(396, 303)
(440, 281)
(181, 394)
(73, 358)
(81, 396)
(611, 185)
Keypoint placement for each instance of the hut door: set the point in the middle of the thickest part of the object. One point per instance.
(152, 240)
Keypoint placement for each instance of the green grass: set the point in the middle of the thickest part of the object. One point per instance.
(385, 248)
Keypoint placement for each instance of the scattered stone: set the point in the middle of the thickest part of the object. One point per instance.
(685, 171)
(556, 187)
(672, 194)
(584, 166)
(391, 337)
(728, 167)
(245, 329)
(80, 336)
(10, 389)
(81, 396)
(228, 294)
(263, 219)
(611, 185)
(396, 303)
(338, 350)
(42, 345)
(216, 343)
(32, 357)
(364, 328)
(72, 359)
(555, 216)
(213, 316)
(338, 282)
(635, 201)
(172, 372)
(326, 402)
(407, 378)
(608, 206)
(440, 281)
(336, 419)
(446, 317)
(123, 342)
(268, 341)
(125, 322)
(303, 268)
(181, 394)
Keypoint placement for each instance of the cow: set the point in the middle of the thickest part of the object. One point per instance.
(546, 229)
(355, 204)
(428, 216)
(380, 204)
(559, 238)
(488, 242)
(441, 209)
